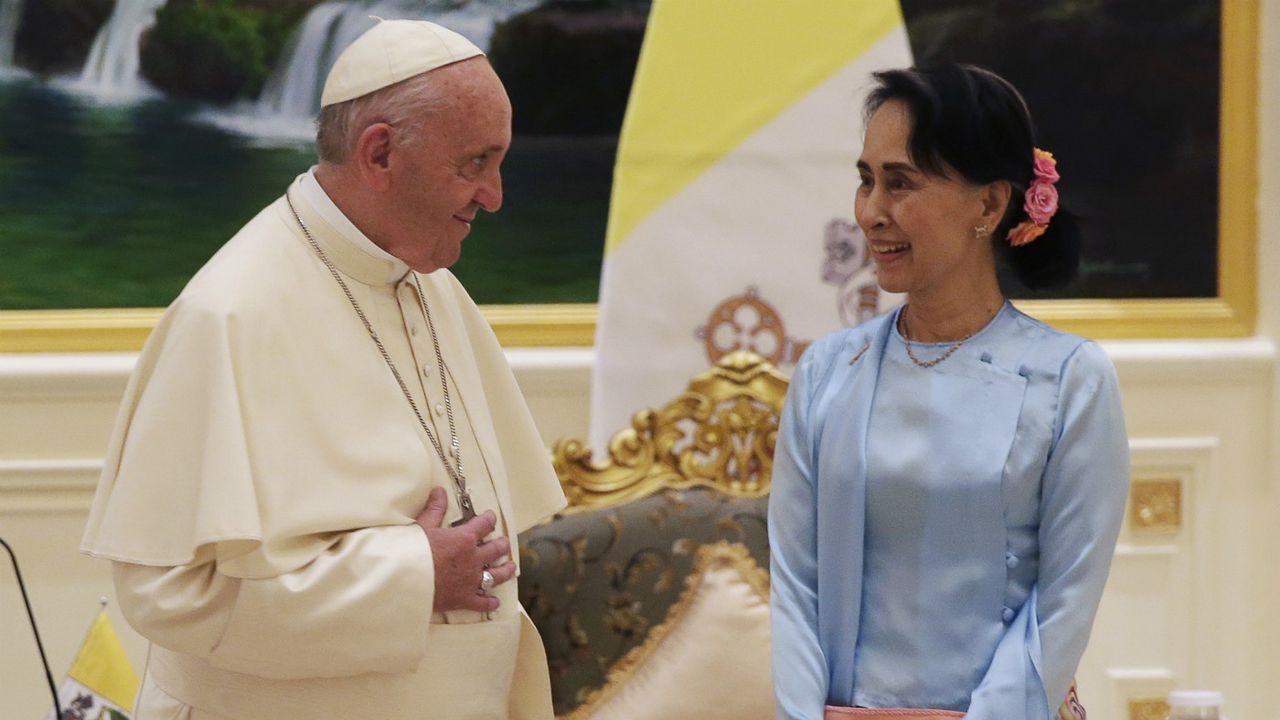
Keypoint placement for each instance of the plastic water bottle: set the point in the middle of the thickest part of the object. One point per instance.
(1195, 705)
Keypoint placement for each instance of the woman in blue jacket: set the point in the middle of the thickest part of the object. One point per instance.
(949, 478)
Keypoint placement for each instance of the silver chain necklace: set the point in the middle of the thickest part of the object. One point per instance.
(455, 470)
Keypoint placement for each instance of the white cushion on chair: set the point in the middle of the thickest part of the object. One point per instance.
(709, 659)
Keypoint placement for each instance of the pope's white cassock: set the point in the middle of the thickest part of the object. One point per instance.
(265, 472)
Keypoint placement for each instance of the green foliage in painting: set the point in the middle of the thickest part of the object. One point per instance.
(217, 50)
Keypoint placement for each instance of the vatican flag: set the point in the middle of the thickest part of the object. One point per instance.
(102, 683)
(731, 224)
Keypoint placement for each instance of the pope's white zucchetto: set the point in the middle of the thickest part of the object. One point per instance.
(392, 51)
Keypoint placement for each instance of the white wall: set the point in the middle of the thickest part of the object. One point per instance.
(1200, 607)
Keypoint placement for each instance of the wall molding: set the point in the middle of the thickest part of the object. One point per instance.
(103, 376)
(1194, 362)
(1193, 460)
(1141, 684)
(63, 485)
(65, 376)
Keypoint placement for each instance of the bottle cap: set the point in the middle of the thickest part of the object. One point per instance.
(1195, 698)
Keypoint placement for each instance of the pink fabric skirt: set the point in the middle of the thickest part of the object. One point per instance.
(1071, 709)
(836, 713)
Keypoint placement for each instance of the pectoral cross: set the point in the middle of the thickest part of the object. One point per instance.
(468, 510)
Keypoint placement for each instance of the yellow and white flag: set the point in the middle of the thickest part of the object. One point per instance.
(731, 224)
(102, 683)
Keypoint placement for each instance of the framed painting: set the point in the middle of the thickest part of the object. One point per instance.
(122, 171)
(1160, 116)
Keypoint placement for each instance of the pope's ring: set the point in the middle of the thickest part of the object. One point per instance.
(486, 581)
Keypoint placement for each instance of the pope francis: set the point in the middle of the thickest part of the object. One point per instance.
(322, 459)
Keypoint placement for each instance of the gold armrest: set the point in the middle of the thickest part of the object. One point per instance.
(719, 433)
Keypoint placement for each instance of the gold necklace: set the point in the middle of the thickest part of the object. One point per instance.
(926, 364)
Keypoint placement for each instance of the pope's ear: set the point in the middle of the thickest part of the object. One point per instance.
(372, 156)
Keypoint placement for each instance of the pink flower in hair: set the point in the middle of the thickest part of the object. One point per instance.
(1046, 168)
(1041, 202)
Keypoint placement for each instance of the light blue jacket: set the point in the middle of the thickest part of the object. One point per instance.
(1049, 429)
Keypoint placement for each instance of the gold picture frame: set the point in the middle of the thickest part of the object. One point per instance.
(1232, 313)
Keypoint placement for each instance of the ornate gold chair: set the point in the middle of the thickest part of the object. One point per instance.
(651, 589)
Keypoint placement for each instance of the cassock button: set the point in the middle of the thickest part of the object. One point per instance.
(439, 409)
(1011, 560)
(426, 370)
(413, 331)
(1007, 614)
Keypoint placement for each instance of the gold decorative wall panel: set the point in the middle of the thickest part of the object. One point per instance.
(1148, 709)
(1155, 506)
